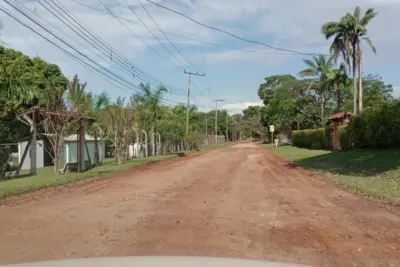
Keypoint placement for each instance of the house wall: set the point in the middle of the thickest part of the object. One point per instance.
(69, 152)
(26, 165)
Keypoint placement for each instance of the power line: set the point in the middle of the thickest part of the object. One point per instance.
(232, 34)
(187, 38)
(155, 36)
(81, 34)
(176, 49)
(139, 73)
(134, 34)
(53, 43)
(120, 21)
(102, 47)
(106, 73)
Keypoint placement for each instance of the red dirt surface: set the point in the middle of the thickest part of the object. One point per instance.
(240, 202)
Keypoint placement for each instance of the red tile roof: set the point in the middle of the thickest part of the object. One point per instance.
(340, 115)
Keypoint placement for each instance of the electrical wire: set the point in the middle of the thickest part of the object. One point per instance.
(107, 48)
(232, 34)
(155, 36)
(188, 38)
(159, 28)
(106, 73)
(176, 49)
(120, 21)
(137, 37)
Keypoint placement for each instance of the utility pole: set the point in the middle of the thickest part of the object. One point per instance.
(216, 118)
(188, 97)
(226, 131)
(206, 124)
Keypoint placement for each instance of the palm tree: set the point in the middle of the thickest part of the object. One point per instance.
(348, 33)
(77, 97)
(115, 117)
(319, 67)
(14, 89)
(98, 105)
(149, 108)
(337, 80)
(16, 92)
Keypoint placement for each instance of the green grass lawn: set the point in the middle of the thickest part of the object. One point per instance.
(47, 178)
(371, 172)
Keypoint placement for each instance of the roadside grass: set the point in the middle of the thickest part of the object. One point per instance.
(371, 172)
(47, 178)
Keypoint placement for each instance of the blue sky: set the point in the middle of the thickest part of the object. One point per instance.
(233, 75)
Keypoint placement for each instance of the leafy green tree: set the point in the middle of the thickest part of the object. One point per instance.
(376, 92)
(266, 90)
(348, 33)
(290, 103)
(319, 67)
(339, 83)
(252, 111)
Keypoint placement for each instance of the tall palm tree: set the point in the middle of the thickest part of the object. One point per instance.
(319, 67)
(348, 33)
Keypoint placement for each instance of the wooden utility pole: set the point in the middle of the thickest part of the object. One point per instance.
(216, 118)
(188, 97)
(206, 124)
(226, 130)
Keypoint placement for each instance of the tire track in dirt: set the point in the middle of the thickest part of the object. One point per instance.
(241, 202)
(78, 222)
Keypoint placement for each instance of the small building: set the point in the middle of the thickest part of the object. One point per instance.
(40, 152)
(341, 119)
(69, 153)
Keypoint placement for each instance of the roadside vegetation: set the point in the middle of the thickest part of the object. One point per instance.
(327, 84)
(300, 108)
(32, 82)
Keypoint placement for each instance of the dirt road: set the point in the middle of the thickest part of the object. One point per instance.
(240, 202)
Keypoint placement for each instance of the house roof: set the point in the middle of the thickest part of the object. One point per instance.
(340, 115)
(74, 138)
(55, 114)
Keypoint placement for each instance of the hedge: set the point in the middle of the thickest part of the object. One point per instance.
(314, 139)
(344, 139)
(376, 127)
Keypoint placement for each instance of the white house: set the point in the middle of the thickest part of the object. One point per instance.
(70, 149)
(68, 153)
(26, 165)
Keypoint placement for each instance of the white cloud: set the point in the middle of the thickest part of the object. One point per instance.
(239, 107)
(290, 24)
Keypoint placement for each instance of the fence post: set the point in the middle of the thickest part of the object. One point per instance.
(145, 143)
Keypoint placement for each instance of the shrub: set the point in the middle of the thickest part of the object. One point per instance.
(314, 139)
(344, 139)
(376, 127)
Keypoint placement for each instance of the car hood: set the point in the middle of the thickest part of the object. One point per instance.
(155, 262)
